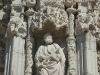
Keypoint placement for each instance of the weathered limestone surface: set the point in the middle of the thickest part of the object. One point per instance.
(50, 59)
(49, 37)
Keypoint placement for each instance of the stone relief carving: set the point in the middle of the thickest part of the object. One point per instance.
(17, 27)
(29, 60)
(47, 12)
(71, 45)
(89, 20)
(16, 35)
(71, 56)
(71, 50)
(50, 59)
(85, 23)
(43, 12)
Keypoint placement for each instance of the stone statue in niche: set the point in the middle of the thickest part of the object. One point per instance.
(50, 59)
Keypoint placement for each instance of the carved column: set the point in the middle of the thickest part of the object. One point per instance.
(29, 48)
(29, 56)
(71, 45)
(30, 39)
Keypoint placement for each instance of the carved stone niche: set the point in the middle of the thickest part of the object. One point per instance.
(59, 38)
(53, 11)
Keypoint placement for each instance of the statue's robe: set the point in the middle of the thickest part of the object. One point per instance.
(50, 60)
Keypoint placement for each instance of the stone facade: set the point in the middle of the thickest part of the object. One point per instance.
(49, 37)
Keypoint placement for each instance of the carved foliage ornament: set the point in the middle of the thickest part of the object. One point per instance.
(46, 12)
(29, 58)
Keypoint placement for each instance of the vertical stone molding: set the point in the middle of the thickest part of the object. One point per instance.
(30, 39)
(71, 45)
(29, 56)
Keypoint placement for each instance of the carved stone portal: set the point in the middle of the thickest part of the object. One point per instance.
(49, 37)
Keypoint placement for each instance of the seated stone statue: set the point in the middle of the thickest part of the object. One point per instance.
(50, 59)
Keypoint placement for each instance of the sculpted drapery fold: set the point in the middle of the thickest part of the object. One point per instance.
(50, 59)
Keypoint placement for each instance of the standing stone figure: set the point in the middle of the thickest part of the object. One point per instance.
(50, 59)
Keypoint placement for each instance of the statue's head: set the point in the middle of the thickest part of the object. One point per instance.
(48, 38)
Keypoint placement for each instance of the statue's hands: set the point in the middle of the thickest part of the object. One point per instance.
(42, 56)
(57, 50)
(55, 57)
